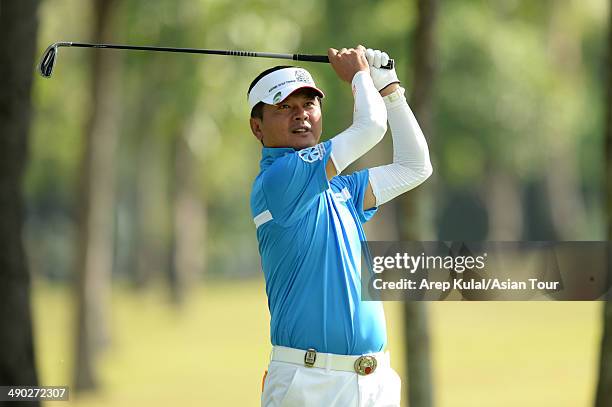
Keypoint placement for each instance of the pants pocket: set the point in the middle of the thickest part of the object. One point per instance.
(277, 385)
(294, 397)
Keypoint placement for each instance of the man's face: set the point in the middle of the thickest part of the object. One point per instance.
(295, 122)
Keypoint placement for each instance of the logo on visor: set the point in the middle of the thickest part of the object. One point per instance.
(302, 76)
(277, 98)
(312, 154)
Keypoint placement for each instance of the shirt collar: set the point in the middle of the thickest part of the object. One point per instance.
(270, 154)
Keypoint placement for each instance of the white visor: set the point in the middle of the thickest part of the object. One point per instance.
(276, 86)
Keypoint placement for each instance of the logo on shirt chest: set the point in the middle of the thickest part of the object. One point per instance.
(312, 154)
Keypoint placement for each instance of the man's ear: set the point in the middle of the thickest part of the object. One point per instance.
(256, 123)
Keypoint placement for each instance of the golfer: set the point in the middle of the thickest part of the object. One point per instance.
(328, 345)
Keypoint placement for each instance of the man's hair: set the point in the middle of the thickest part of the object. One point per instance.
(257, 110)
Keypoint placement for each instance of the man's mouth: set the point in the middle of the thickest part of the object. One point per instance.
(301, 130)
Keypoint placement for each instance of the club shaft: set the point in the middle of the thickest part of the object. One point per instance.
(296, 57)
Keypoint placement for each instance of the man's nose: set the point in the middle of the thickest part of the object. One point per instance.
(300, 113)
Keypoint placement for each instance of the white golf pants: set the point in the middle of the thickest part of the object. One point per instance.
(295, 385)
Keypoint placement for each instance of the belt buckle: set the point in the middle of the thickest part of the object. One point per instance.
(310, 357)
(364, 365)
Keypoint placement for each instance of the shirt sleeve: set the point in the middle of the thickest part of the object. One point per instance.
(357, 184)
(294, 182)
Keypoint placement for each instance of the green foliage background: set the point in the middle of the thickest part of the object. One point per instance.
(519, 84)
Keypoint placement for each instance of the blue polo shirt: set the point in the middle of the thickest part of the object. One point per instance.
(309, 231)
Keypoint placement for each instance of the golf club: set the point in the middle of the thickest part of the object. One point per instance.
(49, 58)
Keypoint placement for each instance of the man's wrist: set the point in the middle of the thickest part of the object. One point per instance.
(387, 90)
(395, 98)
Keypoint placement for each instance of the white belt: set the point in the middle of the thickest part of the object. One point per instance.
(361, 364)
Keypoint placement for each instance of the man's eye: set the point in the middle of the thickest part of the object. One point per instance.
(283, 106)
(309, 103)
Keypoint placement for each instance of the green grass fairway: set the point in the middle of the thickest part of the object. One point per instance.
(213, 350)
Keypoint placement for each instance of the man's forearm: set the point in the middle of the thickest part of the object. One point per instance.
(411, 164)
(369, 124)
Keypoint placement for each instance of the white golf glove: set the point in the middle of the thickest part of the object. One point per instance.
(381, 77)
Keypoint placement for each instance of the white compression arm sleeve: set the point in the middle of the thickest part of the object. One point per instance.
(369, 123)
(411, 164)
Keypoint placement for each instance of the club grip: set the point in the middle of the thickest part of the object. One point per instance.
(324, 58)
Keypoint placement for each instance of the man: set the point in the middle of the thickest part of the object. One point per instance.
(328, 345)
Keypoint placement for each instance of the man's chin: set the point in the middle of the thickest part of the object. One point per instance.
(304, 142)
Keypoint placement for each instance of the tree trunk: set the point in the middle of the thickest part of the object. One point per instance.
(18, 30)
(503, 197)
(188, 234)
(148, 250)
(97, 197)
(604, 386)
(418, 355)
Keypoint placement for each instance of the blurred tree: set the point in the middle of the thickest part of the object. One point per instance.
(18, 29)
(55, 146)
(188, 234)
(339, 35)
(502, 195)
(97, 192)
(416, 328)
(185, 229)
(603, 397)
(159, 204)
(563, 184)
(136, 253)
